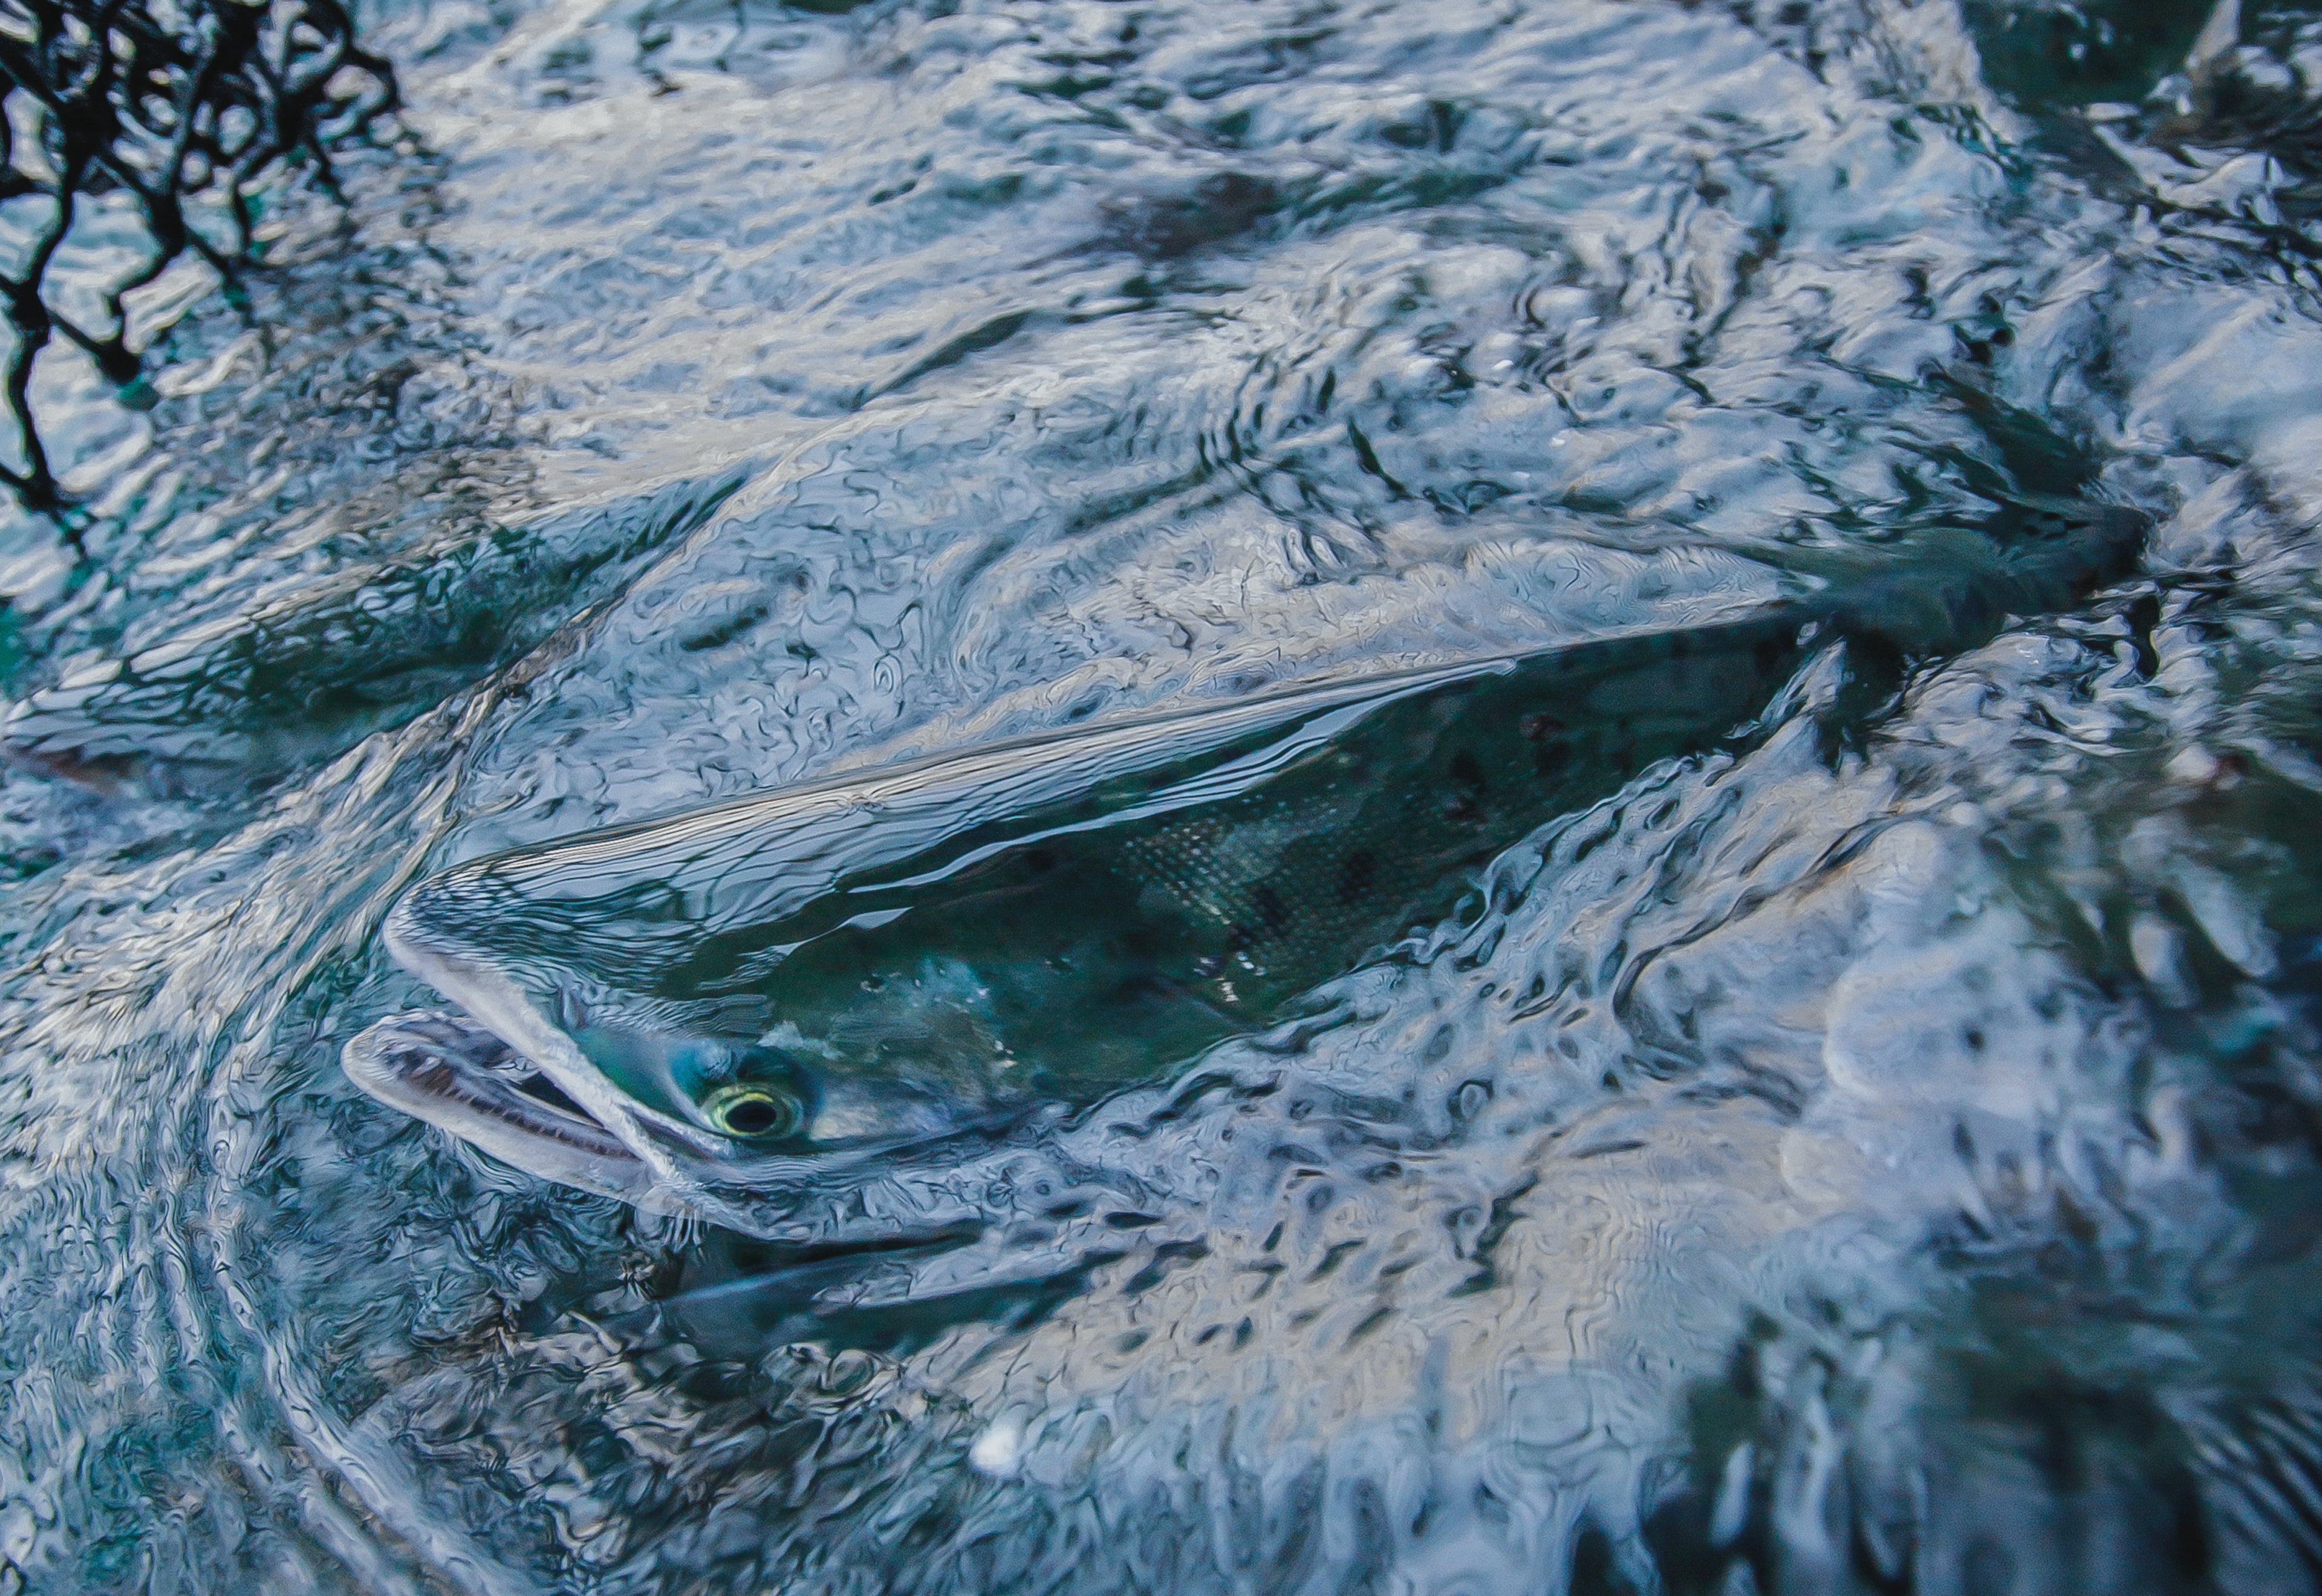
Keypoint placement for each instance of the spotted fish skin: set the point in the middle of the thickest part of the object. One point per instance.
(1100, 949)
(929, 945)
(939, 944)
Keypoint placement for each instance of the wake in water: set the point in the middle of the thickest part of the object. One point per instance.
(851, 591)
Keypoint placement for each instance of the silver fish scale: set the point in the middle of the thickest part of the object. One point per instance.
(1295, 886)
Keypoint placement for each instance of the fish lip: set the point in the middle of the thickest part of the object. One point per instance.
(660, 1141)
(450, 1072)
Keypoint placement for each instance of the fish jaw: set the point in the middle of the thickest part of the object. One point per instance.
(452, 1074)
(604, 1142)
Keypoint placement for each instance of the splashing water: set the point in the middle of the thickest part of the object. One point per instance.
(1846, 1122)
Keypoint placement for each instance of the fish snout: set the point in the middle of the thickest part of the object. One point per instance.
(465, 1080)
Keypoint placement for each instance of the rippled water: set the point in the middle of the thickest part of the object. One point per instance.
(1879, 1154)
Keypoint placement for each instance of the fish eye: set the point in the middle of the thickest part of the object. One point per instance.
(754, 1111)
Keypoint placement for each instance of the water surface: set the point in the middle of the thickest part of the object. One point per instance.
(1878, 1154)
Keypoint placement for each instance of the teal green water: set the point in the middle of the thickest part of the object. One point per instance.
(1819, 1097)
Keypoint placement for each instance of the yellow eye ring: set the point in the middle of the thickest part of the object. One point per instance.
(750, 1112)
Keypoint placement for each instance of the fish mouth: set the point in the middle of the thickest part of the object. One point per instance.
(504, 1079)
(460, 1077)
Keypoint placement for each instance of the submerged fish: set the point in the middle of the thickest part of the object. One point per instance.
(806, 980)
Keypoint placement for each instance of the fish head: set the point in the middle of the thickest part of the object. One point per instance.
(697, 1109)
(748, 1137)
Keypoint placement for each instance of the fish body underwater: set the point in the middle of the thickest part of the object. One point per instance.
(884, 958)
(821, 977)
(1837, 1121)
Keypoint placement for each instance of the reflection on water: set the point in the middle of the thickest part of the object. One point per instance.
(1874, 1152)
